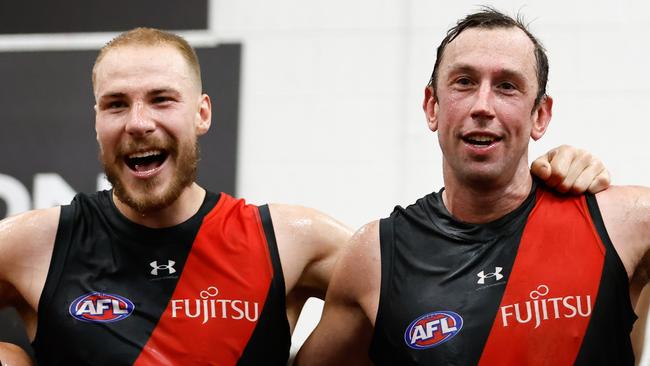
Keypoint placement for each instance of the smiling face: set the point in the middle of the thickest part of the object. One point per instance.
(485, 93)
(149, 112)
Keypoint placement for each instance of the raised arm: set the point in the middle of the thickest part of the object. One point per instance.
(309, 243)
(567, 168)
(344, 332)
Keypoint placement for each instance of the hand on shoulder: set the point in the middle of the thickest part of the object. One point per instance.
(569, 169)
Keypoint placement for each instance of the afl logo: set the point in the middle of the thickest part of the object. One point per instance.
(98, 307)
(433, 329)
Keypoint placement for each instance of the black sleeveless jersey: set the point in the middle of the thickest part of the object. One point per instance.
(543, 285)
(209, 291)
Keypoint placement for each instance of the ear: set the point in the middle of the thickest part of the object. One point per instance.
(431, 108)
(96, 134)
(542, 117)
(203, 115)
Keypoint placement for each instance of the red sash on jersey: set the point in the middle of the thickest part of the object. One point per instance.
(543, 317)
(220, 294)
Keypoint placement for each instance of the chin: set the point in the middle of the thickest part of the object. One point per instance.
(484, 178)
(151, 195)
(146, 202)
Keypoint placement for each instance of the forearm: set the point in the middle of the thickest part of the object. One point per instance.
(342, 338)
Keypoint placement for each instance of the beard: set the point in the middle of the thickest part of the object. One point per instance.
(139, 196)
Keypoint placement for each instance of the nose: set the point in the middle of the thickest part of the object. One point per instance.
(139, 123)
(482, 107)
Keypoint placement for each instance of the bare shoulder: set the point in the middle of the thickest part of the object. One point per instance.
(626, 214)
(309, 242)
(26, 242)
(305, 222)
(625, 200)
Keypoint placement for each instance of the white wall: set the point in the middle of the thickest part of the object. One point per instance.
(332, 90)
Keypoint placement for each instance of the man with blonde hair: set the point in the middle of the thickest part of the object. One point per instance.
(159, 271)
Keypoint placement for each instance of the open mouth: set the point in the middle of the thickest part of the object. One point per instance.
(481, 140)
(145, 161)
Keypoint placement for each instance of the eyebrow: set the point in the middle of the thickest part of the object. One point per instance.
(117, 95)
(507, 73)
(162, 91)
(112, 95)
(462, 68)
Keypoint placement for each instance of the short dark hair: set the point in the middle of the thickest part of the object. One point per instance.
(490, 18)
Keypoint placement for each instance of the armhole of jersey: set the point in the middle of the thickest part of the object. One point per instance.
(619, 268)
(60, 249)
(278, 274)
(386, 247)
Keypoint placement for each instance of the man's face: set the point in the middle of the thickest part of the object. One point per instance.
(486, 90)
(149, 112)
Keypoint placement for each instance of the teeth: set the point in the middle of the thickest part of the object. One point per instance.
(482, 138)
(144, 154)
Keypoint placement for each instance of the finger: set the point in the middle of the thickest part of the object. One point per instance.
(586, 178)
(595, 177)
(560, 163)
(541, 168)
(602, 182)
(581, 162)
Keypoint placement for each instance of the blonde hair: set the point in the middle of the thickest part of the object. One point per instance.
(152, 37)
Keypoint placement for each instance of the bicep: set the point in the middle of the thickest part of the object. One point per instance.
(26, 242)
(331, 238)
(309, 243)
(345, 330)
(626, 214)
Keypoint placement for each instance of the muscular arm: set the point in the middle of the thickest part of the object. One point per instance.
(626, 213)
(26, 242)
(309, 243)
(344, 332)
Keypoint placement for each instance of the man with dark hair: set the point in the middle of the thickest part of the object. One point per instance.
(494, 269)
(159, 271)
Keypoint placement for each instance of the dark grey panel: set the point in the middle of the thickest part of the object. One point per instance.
(48, 117)
(220, 68)
(37, 16)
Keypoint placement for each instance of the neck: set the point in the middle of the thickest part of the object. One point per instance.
(185, 206)
(486, 201)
